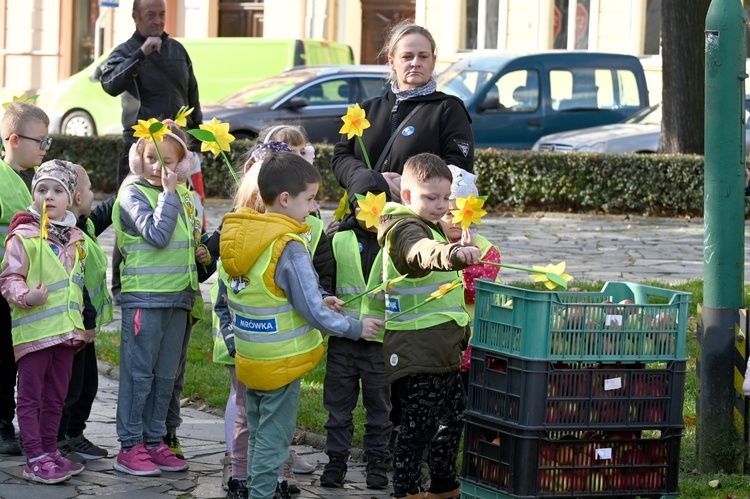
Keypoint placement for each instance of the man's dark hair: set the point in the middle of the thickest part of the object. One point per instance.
(285, 172)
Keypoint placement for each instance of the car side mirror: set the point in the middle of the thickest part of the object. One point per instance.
(295, 103)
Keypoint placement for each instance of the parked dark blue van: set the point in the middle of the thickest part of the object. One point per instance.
(515, 99)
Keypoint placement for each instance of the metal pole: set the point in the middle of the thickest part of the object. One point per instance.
(720, 439)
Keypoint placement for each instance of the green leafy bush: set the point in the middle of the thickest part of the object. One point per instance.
(610, 183)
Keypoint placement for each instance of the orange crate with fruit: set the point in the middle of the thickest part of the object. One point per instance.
(624, 322)
(528, 463)
(539, 394)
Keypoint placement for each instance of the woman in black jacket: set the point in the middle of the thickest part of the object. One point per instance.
(440, 126)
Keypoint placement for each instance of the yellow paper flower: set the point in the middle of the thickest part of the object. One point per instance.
(21, 98)
(44, 221)
(355, 122)
(444, 289)
(221, 134)
(342, 209)
(557, 270)
(390, 282)
(469, 211)
(182, 114)
(371, 209)
(143, 129)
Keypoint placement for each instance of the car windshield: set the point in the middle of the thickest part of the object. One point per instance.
(462, 83)
(649, 116)
(268, 90)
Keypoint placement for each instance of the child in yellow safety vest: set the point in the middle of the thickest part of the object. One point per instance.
(464, 184)
(277, 311)
(43, 279)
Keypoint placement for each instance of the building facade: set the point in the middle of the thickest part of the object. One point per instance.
(45, 41)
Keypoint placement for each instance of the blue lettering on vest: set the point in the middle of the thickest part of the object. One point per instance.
(256, 325)
(392, 305)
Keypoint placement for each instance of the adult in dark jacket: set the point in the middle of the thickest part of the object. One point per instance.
(441, 125)
(153, 73)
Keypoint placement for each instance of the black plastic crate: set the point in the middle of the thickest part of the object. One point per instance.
(539, 463)
(540, 394)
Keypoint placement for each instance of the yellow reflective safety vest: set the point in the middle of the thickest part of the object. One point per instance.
(63, 311)
(147, 268)
(96, 277)
(220, 352)
(410, 292)
(350, 280)
(275, 344)
(15, 198)
(316, 226)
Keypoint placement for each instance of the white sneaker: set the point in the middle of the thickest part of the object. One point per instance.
(746, 384)
(226, 474)
(299, 465)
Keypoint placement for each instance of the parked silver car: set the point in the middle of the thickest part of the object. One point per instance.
(638, 134)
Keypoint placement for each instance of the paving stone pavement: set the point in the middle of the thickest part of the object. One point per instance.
(615, 248)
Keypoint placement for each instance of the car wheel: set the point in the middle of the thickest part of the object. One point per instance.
(78, 123)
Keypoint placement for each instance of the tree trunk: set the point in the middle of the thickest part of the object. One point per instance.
(683, 23)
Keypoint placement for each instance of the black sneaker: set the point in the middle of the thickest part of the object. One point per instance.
(68, 453)
(174, 445)
(86, 448)
(377, 476)
(282, 491)
(237, 489)
(8, 442)
(333, 474)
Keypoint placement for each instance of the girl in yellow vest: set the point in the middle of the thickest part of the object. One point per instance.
(43, 279)
(155, 222)
(464, 184)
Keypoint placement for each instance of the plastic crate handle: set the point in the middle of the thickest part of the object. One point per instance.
(642, 292)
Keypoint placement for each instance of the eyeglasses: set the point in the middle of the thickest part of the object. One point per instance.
(44, 144)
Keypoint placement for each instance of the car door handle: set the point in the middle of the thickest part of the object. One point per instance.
(535, 122)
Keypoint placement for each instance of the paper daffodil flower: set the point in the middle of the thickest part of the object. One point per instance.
(390, 282)
(181, 118)
(371, 207)
(355, 122)
(342, 209)
(444, 289)
(220, 140)
(469, 211)
(551, 275)
(44, 221)
(151, 129)
(21, 98)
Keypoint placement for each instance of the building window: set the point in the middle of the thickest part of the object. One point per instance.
(571, 32)
(471, 24)
(652, 33)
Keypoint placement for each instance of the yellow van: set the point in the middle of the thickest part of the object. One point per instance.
(79, 106)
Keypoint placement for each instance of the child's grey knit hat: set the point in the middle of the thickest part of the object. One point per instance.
(62, 172)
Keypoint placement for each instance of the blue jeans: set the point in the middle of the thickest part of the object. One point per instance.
(271, 420)
(150, 347)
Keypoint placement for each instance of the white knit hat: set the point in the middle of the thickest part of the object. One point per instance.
(464, 183)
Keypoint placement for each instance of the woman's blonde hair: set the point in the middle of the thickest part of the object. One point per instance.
(400, 30)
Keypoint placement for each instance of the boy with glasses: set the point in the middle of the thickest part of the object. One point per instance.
(24, 130)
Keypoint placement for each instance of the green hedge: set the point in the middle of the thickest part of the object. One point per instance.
(654, 184)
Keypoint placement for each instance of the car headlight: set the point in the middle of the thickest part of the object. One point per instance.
(595, 147)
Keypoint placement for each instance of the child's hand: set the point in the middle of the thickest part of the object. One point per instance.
(467, 237)
(333, 227)
(201, 255)
(469, 255)
(394, 184)
(37, 296)
(89, 335)
(168, 180)
(371, 327)
(333, 303)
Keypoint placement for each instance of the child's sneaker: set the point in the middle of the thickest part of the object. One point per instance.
(165, 458)
(282, 491)
(237, 489)
(66, 464)
(44, 470)
(299, 465)
(84, 447)
(174, 445)
(137, 462)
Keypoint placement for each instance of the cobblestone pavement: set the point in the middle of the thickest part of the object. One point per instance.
(615, 248)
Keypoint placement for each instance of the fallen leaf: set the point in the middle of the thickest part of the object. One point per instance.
(714, 484)
(313, 390)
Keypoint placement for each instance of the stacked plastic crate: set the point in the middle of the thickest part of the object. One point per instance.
(575, 394)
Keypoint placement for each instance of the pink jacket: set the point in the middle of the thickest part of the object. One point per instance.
(15, 269)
